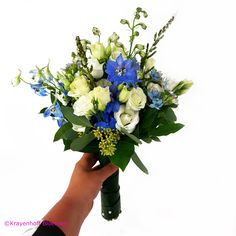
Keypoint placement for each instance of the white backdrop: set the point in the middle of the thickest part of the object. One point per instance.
(191, 188)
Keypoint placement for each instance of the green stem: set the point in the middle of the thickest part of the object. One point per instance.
(132, 38)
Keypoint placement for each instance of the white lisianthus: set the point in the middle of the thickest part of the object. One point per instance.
(137, 99)
(98, 51)
(97, 71)
(152, 87)
(79, 87)
(150, 63)
(124, 95)
(126, 119)
(78, 128)
(102, 96)
(84, 106)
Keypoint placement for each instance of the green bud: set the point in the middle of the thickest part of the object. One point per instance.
(182, 87)
(143, 26)
(142, 53)
(124, 95)
(137, 16)
(114, 37)
(124, 21)
(16, 81)
(136, 33)
(139, 46)
(96, 31)
(120, 87)
(139, 9)
(145, 14)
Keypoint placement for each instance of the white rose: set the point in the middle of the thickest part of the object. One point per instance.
(84, 106)
(126, 119)
(97, 71)
(78, 128)
(152, 87)
(137, 99)
(79, 87)
(102, 96)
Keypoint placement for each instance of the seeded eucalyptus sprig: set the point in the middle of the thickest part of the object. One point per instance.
(133, 28)
(157, 37)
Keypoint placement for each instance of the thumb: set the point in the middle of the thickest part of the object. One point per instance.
(106, 171)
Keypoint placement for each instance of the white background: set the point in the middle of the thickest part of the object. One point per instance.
(191, 188)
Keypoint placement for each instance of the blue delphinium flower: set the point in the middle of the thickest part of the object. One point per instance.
(155, 75)
(39, 89)
(122, 71)
(55, 112)
(62, 86)
(157, 102)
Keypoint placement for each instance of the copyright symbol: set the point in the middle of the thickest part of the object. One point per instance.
(6, 223)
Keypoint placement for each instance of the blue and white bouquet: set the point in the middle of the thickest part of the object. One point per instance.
(109, 99)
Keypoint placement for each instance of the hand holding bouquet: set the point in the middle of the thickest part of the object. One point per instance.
(109, 99)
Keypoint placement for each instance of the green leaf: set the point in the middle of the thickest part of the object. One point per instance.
(166, 129)
(170, 115)
(77, 120)
(43, 110)
(67, 144)
(61, 132)
(122, 154)
(134, 138)
(139, 163)
(147, 140)
(79, 143)
(91, 147)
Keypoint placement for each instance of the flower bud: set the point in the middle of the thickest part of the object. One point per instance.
(96, 31)
(124, 95)
(124, 21)
(98, 51)
(114, 37)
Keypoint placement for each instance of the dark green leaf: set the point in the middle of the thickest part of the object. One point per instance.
(166, 129)
(123, 154)
(147, 140)
(91, 147)
(70, 134)
(139, 163)
(60, 133)
(170, 115)
(43, 110)
(77, 120)
(134, 138)
(67, 144)
(79, 143)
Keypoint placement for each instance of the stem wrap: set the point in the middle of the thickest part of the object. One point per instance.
(110, 196)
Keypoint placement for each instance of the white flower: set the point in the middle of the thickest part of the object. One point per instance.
(97, 71)
(102, 96)
(116, 51)
(137, 99)
(152, 87)
(62, 98)
(79, 87)
(98, 51)
(126, 119)
(84, 106)
(78, 128)
(150, 63)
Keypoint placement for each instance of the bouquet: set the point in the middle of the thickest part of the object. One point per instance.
(109, 99)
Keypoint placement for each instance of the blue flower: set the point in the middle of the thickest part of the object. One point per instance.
(62, 86)
(55, 112)
(39, 89)
(155, 75)
(104, 120)
(122, 71)
(157, 102)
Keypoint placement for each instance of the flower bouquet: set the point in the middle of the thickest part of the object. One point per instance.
(109, 99)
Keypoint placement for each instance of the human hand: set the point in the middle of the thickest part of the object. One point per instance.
(75, 205)
(86, 181)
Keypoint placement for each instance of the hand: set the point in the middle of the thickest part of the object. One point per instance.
(77, 202)
(86, 180)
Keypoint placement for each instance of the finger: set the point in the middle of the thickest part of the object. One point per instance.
(88, 160)
(106, 171)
